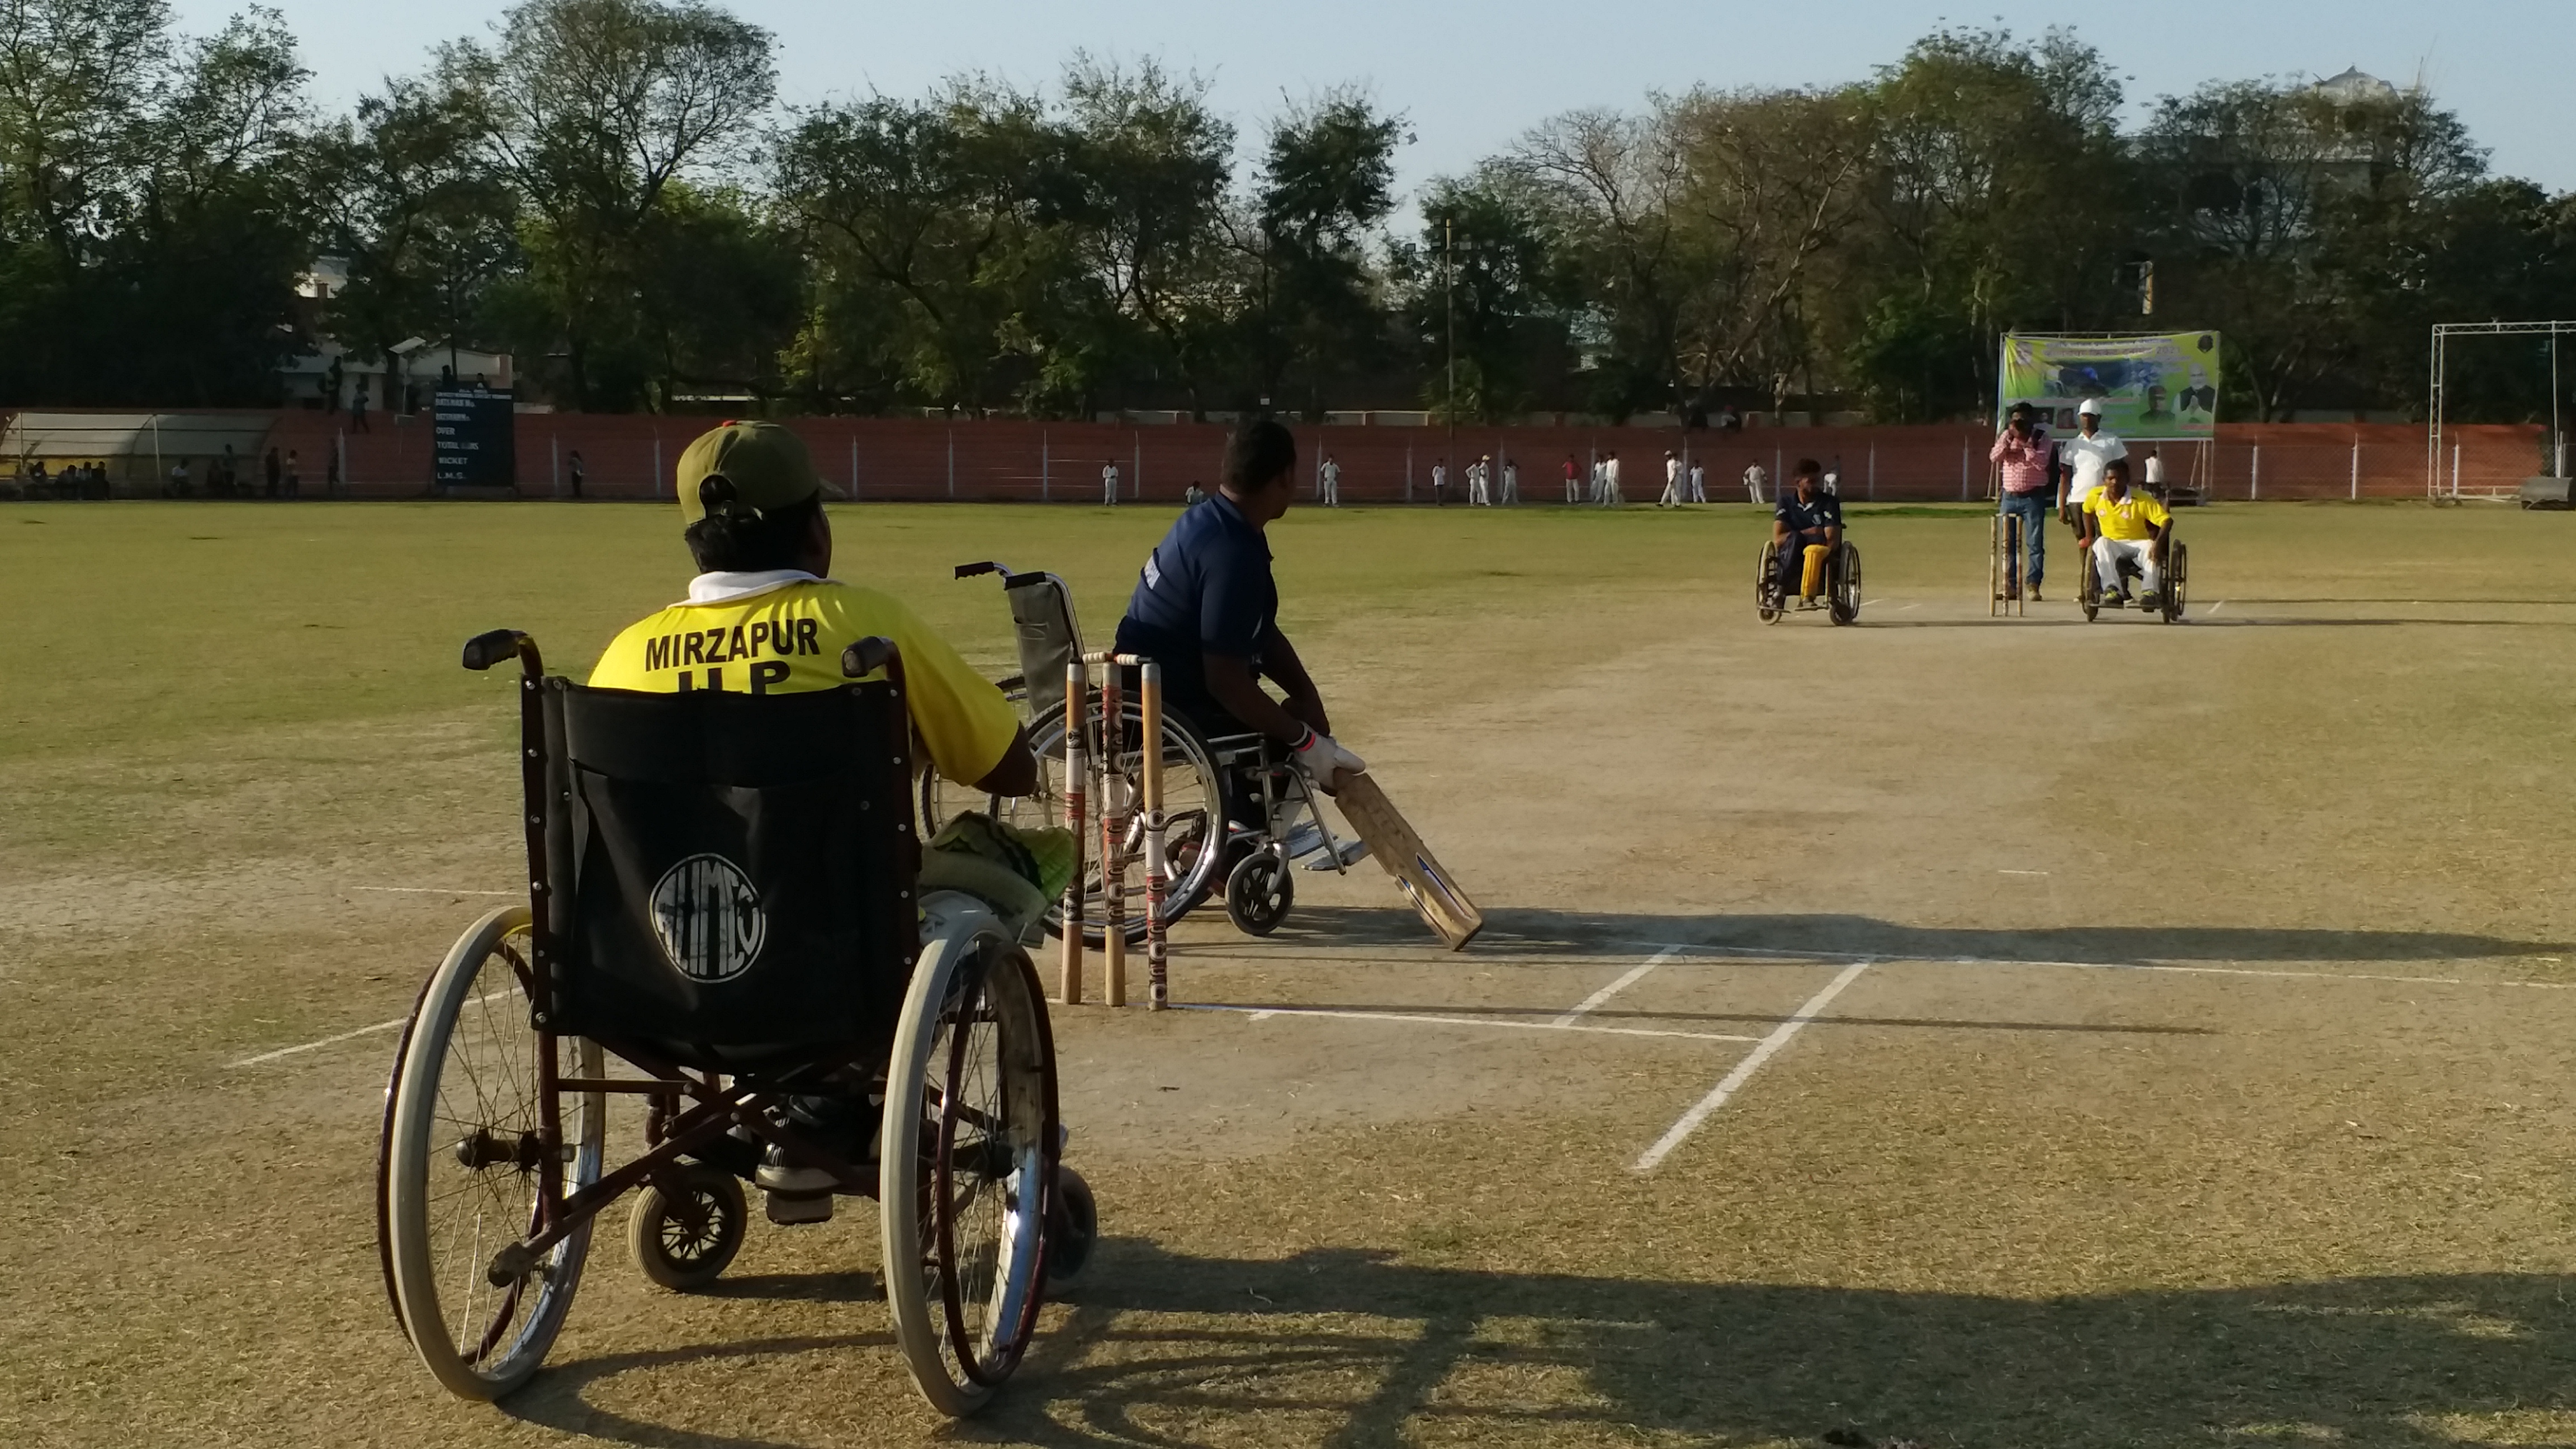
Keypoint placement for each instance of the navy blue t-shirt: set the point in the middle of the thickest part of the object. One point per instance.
(1810, 517)
(1206, 588)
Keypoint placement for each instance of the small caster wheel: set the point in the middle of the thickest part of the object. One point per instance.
(1072, 1228)
(1259, 892)
(683, 1242)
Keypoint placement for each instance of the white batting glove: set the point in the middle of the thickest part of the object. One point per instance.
(1323, 760)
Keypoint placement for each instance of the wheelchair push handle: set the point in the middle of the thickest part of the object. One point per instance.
(868, 656)
(485, 650)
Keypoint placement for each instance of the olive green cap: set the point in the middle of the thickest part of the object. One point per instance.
(766, 464)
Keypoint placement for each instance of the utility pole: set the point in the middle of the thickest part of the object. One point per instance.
(1449, 292)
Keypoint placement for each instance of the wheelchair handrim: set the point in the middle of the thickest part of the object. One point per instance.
(490, 1357)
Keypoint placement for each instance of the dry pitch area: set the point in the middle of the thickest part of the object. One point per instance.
(2191, 1008)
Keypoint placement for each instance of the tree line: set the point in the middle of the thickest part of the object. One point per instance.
(611, 191)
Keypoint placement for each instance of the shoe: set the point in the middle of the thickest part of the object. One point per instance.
(2148, 601)
(2034, 591)
(794, 1194)
(2012, 591)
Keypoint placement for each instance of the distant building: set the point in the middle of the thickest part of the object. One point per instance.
(412, 370)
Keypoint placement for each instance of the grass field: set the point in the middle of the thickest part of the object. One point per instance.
(2138, 1035)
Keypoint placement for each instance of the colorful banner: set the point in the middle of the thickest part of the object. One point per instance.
(2150, 386)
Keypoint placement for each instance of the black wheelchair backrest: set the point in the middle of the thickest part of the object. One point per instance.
(731, 877)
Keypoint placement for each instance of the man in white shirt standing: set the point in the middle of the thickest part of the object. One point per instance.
(1440, 483)
(1698, 481)
(1672, 494)
(1610, 482)
(1109, 484)
(1511, 481)
(2155, 474)
(2087, 454)
(1328, 483)
(1480, 482)
(1753, 479)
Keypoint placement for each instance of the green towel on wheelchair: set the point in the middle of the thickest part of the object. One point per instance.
(1019, 870)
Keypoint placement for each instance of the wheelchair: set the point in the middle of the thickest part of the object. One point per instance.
(1842, 584)
(728, 913)
(1251, 862)
(2169, 604)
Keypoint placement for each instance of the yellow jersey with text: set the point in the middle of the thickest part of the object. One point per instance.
(2135, 517)
(789, 640)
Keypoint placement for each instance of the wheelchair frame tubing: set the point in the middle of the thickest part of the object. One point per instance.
(540, 982)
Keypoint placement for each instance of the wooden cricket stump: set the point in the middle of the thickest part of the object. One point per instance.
(1077, 772)
(2003, 593)
(1113, 830)
(1150, 692)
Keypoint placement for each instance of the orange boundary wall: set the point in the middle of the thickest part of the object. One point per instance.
(631, 456)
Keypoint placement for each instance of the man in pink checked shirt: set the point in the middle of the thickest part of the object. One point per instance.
(2029, 461)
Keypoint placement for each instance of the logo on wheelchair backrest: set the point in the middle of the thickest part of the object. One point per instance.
(708, 918)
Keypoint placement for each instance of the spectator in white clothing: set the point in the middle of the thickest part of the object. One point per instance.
(2086, 455)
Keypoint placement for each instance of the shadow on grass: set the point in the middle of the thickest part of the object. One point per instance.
(1511, 933)
(1351, 1348)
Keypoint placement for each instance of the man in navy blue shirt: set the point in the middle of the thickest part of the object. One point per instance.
(1205, 609)
(1806, 524)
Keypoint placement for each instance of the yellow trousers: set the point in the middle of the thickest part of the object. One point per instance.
(1812, 582)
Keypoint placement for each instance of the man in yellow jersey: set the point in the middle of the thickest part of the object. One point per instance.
(2121, 525)
(762, 618)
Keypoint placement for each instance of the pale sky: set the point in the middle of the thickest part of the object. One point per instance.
(1472, 76)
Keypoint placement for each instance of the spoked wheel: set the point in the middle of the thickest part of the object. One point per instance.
(685, 1238)
(1259, 892)
(1845, 598)
(461, 1151)
(2177, 575)
(1193, 815)
(969, 1168)
(1768, 601)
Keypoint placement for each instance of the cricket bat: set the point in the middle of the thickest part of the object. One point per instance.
(1424, 881)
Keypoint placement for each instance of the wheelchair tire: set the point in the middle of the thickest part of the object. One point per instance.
(2088, 594)
(1193, 803)
(686, 1242)
(463, 1119)
(2177, 577)
(1072, 1228)
(968, 1170)
(1843, 597)
(1259, 892)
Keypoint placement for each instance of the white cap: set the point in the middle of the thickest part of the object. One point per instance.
(2092, 408)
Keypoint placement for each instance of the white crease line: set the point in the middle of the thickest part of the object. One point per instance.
(1634, 975)
(2021, 872)
(431, 891)
(353, 1035)
(1769, 953)
(316, 1045)
(1681, 1130)
(1901, 608)
(1263, 1013)
(2214, 608)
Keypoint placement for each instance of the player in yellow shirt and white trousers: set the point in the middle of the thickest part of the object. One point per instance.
(2122, 525)
(761, 617)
